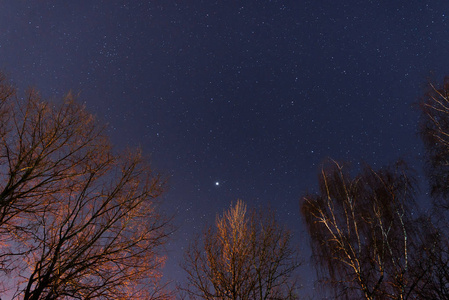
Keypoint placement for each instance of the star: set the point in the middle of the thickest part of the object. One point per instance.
(217, 183)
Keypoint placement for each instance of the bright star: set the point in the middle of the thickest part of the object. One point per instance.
(217, 183)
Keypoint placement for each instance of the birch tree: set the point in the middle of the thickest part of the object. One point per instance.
(434, 130)
(362, 233)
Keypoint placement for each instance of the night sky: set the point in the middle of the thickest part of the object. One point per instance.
(237, 99)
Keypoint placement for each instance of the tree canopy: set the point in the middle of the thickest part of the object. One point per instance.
(247, 255)
(77, 220)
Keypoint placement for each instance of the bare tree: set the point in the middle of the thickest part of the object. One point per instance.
(77, 221)
(434, 130)
(432, 266)
(246, 256)
(362, 232)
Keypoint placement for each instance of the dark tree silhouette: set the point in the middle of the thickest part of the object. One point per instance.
(362, 232)
(76, 220)
(246, 256)
(431, 269)
(434, 130)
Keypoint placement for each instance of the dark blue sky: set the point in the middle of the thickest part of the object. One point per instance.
(254, 95)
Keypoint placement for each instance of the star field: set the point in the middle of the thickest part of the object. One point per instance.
(236, 100)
